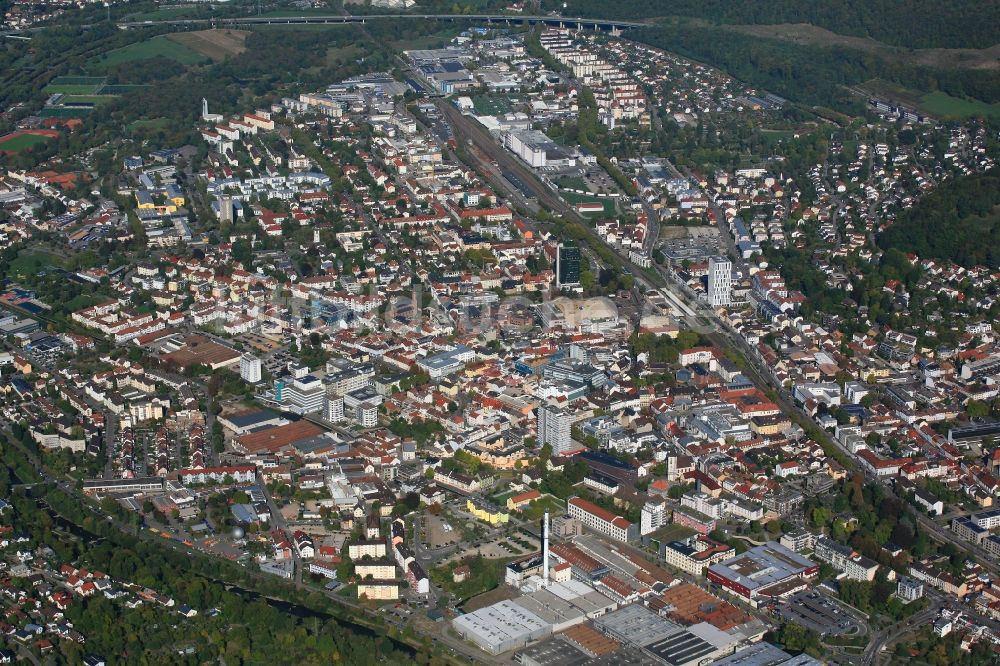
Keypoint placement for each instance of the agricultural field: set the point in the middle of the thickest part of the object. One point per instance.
(213, 44)
(159, 46)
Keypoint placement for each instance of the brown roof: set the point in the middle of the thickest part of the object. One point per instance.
(199, 349)
(591, 640)
(279, 437)
(691, 605)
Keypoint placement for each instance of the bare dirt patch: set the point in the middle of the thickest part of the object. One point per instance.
(215, 44)
(807, 34)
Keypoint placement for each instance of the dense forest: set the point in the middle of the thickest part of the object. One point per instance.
(809, 74)
(913, 24)
(959, 222)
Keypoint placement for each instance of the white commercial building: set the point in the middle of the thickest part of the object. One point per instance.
(720, 282)
(654, 516)
(250, 368)
(554, 426)
(600, 520)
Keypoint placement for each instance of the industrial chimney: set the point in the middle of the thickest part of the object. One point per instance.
(545, 550)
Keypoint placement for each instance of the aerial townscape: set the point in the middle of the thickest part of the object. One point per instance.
(541, 333)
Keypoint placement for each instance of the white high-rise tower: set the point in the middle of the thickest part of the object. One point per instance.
(720, 282)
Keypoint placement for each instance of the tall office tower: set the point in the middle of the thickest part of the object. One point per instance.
(567, 265)
(554, 424)
(250, 368)
(720, 282)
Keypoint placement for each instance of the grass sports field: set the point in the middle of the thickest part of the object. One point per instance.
(573, 198)
(71, 88)
(87, 99)
(18, 141)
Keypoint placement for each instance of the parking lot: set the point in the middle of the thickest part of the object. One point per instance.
(821, 614)
(439, 532)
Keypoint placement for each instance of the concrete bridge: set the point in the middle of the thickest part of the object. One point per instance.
(501, 19)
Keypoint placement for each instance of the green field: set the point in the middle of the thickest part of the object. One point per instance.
(538, 508)
(573, 198)
(72, 88)
(434, 41)
(573, 183)
(158, 46)
(937, 103)
(30, 262)
(776, 136)
(60, 112)
(77, 80)
(489, 105)
(87, 99)
(19, 143)
(944, 105)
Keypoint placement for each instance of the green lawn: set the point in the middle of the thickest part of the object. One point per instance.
(158, 46)
(536, 510)
(942, 104)
(500, 499)
(772, 136)
(30, 262)
(22, 142)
